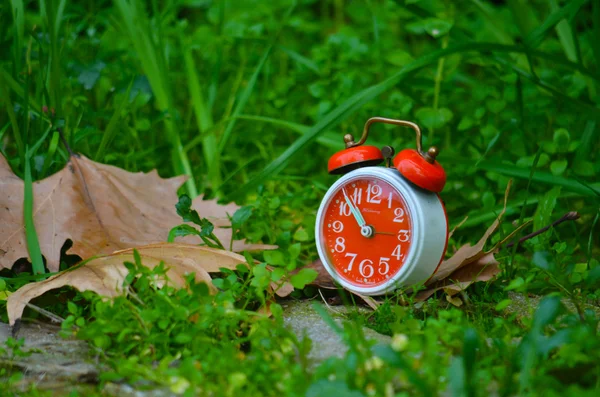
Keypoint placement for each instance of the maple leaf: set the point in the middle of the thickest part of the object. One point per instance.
(105, 275)
(100, 208)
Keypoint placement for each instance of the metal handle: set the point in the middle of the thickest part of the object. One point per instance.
(430, 155)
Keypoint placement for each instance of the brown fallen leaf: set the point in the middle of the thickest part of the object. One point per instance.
(100, 208)
(467, 253)
(455, 228)
(105, 275)
(369, 300)
(324, 279)
(480, 267)
(485, 268)
(282, 289)
(469, 264)
(454, 300)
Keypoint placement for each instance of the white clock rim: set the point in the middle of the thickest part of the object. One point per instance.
(410, 193)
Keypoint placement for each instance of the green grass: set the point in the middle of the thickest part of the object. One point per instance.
(249, 99)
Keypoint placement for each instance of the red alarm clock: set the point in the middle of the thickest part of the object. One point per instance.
(380, 228)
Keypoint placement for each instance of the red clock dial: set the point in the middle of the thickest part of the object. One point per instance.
(367, 231)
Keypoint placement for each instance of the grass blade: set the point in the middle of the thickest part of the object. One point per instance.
(111, 128)
(54, 14)
(39, 142)
(328, 139)
(524, 173)
(493, 22)
(301, 59)
(299, 128)
(52, 147)
(595, 43)
(592, 111)
(2, 132)
(537, 35)
(6, 78)
(13, 119)
(251, 83)
(586, 143)
(204, 120)
(18, 10)
(33, 245)
(565, 35)
(525, 18)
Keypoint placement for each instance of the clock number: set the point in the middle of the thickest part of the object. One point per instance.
(357, 196)
(384, 262)
(338, 226)
(374, 190)
(397, 252)
(366, 268)
(399, 215)
(353, 256)
(345, 209)
(390, 199)
(340, 244)
(403, 235)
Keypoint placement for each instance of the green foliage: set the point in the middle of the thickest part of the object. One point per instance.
(185, 211)
(446, 351)
(197, 342)
(10, 352)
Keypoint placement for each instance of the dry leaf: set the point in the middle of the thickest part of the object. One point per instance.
(282, 289)
(369, 300)
(100, 208)
(324, 279)
(454, 300)
(469, 264)
(483, 269)
(105, 275)
(467, 253)
(455, 228)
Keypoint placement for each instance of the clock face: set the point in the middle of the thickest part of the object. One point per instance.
(366, 231)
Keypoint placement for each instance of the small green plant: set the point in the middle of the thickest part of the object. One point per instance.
(556, 353)
(188, 340)
(12, 351)
(185, 211)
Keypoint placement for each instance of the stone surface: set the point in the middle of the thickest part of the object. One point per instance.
(525, 305)
(304, 321)
(53, 357)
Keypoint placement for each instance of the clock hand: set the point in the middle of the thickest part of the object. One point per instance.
(355, 212)
(389, 234)
(365, 230)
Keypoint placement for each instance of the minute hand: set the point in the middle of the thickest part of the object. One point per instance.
(357, 215)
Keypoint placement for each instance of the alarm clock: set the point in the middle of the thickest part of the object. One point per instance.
(380, 228)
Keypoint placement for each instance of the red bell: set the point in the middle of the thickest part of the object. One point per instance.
(421, 169)
(354, 157)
